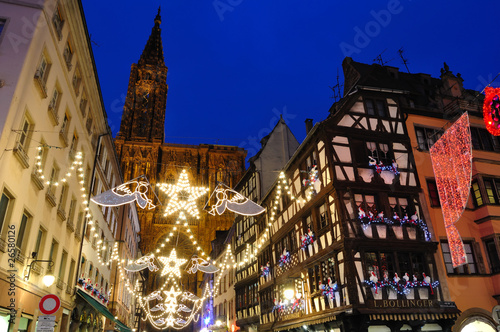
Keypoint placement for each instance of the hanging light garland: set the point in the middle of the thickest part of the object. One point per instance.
(451, 159)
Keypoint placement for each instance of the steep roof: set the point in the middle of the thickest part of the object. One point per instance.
(153, 51)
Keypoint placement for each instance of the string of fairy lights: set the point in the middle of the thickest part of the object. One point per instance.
(182, 200)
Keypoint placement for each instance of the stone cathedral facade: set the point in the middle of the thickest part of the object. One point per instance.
(142, 151)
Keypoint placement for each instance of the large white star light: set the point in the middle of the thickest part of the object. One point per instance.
(182, 196)
(172, 264)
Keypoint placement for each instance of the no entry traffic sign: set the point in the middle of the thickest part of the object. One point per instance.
(49, 304)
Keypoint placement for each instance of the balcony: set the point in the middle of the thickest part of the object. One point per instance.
(3, 245)
(78, 235)
(19, 257)
(69, 289)
(37, 268)
(70, 226)
(61, 213)
(36, 179)
(50, 198)
(21, 155)
(60, 284)
(459, 106)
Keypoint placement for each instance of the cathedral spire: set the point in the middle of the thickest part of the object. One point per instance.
(153, 51)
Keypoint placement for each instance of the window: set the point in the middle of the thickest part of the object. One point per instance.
(77, 80)
(426, 137)
(62, 200)
(4, 209)
(62, 267)
(88, 125)
(24, 135)
(83, 103)
(493, 256)
(71, 271)
(54, 104)
(38, 244)
(492, 248)
(73, 146)
(53, 252)
(469, 268)
(366, 202)
(483, 140)
(433, 193)
(375, 107)
(71, 213)
(323, 216)
(65, 126)
(58, 22)
(53, 179)
(42, 73)
(21, 231)
(476, 194)
(490, 191)
(399, 206)
(68, 54)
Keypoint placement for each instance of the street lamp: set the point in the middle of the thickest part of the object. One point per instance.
(48, 279)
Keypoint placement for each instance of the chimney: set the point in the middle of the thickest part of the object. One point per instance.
(309, 125)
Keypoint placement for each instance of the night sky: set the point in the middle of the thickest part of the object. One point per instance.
(235, 65)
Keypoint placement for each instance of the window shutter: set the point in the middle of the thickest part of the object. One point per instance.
(479, 258)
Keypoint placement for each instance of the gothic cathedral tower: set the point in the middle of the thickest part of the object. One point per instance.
(142, 151)
(144, 111)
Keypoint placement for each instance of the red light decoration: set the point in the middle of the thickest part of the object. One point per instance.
(491, 110)
(451, 159)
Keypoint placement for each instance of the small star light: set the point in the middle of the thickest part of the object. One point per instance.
(451, 159)
(172, 264)
(182, 196)
(171, 296)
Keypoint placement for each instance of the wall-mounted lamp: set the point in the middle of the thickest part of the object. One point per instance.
(48, 279)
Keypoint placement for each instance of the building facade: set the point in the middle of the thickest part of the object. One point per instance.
(348, 237)
(475, 287)
(58, 151)
(143, 153)
(277, 148)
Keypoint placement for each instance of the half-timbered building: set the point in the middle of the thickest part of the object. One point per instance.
(277, 148)
(347, 234)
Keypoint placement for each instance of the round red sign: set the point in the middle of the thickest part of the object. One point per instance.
(49, 304)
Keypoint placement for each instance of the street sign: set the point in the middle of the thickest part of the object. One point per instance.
(49, 304)
(46, 323)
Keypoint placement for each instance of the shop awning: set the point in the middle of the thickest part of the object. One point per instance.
(103, 310)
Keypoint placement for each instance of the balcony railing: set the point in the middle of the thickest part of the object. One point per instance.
(61, 213)
(21, 155)
(20, 258)
(70, 226)
(3, 245)
(49, 196)
(60, 284)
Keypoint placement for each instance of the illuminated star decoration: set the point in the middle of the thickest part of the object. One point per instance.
(182, 196)
(172, 264)
(171, 300)
(451, 159)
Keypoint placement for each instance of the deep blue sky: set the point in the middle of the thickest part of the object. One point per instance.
(234, 68)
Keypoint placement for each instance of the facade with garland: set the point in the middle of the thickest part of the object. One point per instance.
(348, 239)
(277, 148)
(475, 287)
(58, 151)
